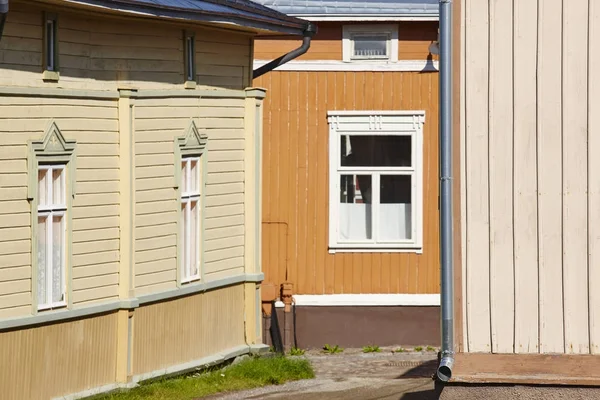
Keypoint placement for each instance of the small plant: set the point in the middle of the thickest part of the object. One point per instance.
(371, 349)
(271, 349)
(430, 348)
(400, 350)
(332, 349)
(294, 351)
(419, 348)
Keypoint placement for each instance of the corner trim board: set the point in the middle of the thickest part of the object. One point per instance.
(356, 66)
(364, 300)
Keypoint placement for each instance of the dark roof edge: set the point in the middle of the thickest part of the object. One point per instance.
(265, 20)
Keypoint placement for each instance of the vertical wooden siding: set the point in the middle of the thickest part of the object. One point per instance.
(49, 361)
(296, 185)
(531, 188)
(191, 328)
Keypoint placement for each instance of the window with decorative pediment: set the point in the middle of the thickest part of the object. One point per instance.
(376, 174)
(50, 190)
(190, 170)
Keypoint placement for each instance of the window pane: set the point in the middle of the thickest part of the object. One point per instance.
(355, 218)
(58, 189)
(42, 187)
(42, 235)
(395, 210)
(184, 240)
(194, 239)
(194, 176)
(376, 151)
(370, 45)
(184, 187)
(58, 235)
(50, 43)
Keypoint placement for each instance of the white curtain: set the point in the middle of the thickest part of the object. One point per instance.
(395, 222)
(355, 222)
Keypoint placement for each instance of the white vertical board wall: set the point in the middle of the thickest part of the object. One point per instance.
(531, 170)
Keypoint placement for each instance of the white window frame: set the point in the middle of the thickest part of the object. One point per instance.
(373, 123)
(389, 30)
(187, 198)
(49, 211)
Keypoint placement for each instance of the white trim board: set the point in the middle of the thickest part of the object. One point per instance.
(356, 66)
(379, 17)
(364, 300)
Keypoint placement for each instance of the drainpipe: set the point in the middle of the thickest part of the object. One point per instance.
(3, 14)
(310, 31)
(444, 372)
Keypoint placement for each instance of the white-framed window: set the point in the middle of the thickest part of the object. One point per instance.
(190, 219)
(51, 236)
(370, 43)
(375, 180)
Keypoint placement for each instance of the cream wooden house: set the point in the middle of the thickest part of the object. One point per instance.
(129, 184)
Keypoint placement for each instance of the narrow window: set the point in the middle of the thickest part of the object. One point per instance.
(190, 219)
(50, 44)
(51, 233)
(190, 62)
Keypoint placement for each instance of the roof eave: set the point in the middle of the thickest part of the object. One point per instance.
(289, 27)
(367, 17)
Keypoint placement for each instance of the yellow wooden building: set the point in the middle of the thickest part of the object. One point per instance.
(129, 165)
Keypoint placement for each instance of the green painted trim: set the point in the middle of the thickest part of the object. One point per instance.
(58, 93)
(126, 93)
(200, 93)
(50, 76)
(201, 287)
(53, 148)
(64, 314)
(257, 93)
(215, 359)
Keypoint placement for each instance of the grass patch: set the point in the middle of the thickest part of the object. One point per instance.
(418, 348)
(248, 374)
(400, 350)
(371, 349)
(295, 351)
(430, 348)
(332, 349)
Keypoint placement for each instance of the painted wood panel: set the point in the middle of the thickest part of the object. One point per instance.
(185, 336)
(100, 53)
(529, 173)
(414, 39)
(296, 185)
(86, 351)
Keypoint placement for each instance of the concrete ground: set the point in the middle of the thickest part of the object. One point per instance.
(353, 375)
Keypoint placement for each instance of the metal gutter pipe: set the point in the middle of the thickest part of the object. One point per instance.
(444, 372)
(309, 32)
(3, 15)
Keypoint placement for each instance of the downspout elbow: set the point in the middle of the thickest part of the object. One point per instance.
(309, 32)
(3, 15)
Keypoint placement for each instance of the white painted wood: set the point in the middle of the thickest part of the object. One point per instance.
(549, 109)
(365, 300)
(594, 176)
(525, 178)
(463, 180)
(477, 277)
(574, 140)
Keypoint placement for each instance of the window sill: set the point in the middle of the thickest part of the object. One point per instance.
(416, 250)
(190, 281)
(189, 85)
(50, 76)
(51, 307)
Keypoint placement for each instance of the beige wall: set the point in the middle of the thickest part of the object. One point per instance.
(531, 176)
(102, 53)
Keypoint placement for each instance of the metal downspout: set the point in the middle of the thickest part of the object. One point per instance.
(310, 31)
(444, 372)
(3, 15)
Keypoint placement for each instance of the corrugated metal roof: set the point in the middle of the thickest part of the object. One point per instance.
(354, 7)
(242, 12)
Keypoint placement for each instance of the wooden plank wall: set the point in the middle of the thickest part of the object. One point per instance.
(531, 182)
(158, 122)
(33, 361)
(103, 53)
(414, 39)
(296, 186)
(192, 328)
(93, 125)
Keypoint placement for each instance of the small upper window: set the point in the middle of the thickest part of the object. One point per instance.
(189, 44)
(370, 42)
(50, 43)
